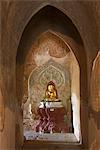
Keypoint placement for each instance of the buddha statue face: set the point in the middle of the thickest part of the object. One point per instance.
(51, 87)
(51, 92)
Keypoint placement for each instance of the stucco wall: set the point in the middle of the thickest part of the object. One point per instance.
(14, 17)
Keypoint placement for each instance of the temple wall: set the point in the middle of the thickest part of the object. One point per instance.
(75, 95)
(94, 123)
(13, 18)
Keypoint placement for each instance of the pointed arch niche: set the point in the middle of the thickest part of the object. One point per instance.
(50, 36)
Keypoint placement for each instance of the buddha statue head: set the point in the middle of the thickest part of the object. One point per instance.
(51, 92)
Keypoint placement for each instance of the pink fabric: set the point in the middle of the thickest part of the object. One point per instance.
(52, 120)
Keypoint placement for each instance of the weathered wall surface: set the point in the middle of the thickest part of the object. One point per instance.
(14, 16)
(47, 47)
(94, 124)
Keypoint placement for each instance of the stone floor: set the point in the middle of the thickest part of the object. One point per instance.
(61, 137)
(55, 141)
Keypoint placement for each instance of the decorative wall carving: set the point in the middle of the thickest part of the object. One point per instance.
(42, 75)
(51, 73)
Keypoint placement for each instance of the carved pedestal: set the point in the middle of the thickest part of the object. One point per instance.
(52, 120)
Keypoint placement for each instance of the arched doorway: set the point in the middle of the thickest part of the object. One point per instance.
(70, 35)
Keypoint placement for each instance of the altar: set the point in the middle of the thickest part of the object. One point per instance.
(52, 117)
(52, 114)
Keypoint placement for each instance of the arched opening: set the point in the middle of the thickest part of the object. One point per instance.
(51, 56)
(40, 23)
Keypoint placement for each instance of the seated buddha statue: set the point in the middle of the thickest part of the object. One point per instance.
(48, 109)
(51, 92)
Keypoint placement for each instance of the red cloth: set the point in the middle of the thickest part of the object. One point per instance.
(52, 120)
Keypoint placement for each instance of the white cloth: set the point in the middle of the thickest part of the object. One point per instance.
(51, 104)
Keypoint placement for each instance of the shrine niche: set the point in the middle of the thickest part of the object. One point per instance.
(39, 78)
(43, 66)
(37, 85)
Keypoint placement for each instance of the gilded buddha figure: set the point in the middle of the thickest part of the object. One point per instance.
(51, 92)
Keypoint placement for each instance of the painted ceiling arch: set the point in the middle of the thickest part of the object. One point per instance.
(27, 11)
(65, 27)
